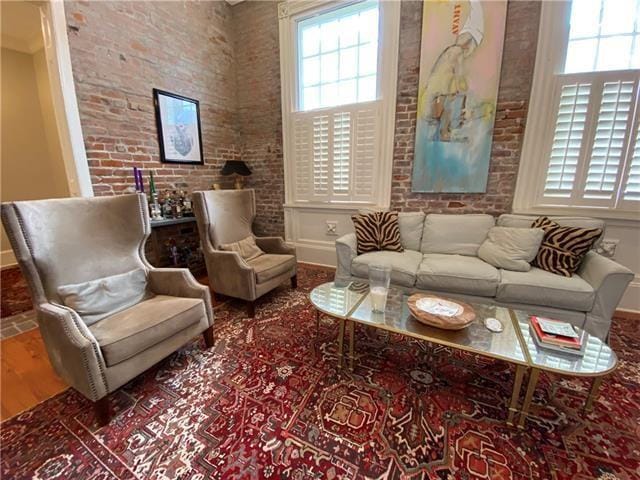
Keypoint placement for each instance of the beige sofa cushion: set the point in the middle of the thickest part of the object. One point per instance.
(404, 265)
(538, 287)
(457, 274)
(411, 226)
(97, 299)
(455, 234)
(129, 332)
(511, 248)
(270, 265)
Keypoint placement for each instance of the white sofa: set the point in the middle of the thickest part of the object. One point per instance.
(441, 256)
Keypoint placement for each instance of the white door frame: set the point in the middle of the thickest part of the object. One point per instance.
(63, 93)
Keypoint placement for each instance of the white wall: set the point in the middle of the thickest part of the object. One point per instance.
(627, 253)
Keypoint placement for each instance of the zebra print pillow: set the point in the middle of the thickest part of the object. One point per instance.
(563, 248)
(377, 231)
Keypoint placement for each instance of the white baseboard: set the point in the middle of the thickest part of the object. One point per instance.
(7, 259)
(316, 254)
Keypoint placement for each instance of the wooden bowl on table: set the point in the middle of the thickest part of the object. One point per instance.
(456, 315)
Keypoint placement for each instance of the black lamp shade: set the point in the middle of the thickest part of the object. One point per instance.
(235, 166)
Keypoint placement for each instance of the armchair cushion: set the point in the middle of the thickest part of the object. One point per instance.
(246, 247)
(100, 298)
(271, 265)
(131, 331)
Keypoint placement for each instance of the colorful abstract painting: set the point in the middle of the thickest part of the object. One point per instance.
(459, 75)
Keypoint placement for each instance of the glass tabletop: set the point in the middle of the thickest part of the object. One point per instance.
(598, 357)
(475, 338)
(338, 301)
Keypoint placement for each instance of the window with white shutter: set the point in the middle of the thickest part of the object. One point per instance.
(589, 144)
(335, 114)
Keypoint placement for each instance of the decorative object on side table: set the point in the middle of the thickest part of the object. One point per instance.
(441, 312)
(154, 206)
(179, 132)
(237, 168)
(379, 281)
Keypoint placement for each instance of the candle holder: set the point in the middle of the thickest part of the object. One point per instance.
(379, 281)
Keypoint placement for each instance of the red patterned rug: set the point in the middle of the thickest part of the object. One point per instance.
(269, 402)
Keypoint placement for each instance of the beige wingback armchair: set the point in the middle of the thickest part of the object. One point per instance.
(74, 241)
(226, 216)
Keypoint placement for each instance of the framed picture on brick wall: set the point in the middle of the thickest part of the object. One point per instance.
(179, 133)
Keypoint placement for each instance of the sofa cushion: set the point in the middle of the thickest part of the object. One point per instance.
(455, 234)
(404, 265)
(129, 332)
(411, 226)
(270, 265)
(457, 274)
(538, 287)
(511, 248)
(525, 221)
(99, 298)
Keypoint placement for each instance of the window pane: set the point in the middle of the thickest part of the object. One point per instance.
(311, 98)
(348, 62)
(618, 16)
(614, 53)
(329, 36)
(311, 71)
(367, 89)
(580, 55)
(635, 56)
(369, 26)
(329, 94)
(368, 62)
(349, 31)
(310, 41)
(585, 21)
(347, 91)
(329, 67)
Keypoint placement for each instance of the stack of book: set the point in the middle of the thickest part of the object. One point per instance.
(556, 335)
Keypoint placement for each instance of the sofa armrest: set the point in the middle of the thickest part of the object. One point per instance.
(275, 245)
(346, 251)
(73, 350)
(230, 275)
(609, 280)
(179, 282)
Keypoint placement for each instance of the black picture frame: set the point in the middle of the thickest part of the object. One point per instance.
(184, 146)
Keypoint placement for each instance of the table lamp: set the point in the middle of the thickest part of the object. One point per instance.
(237, 168)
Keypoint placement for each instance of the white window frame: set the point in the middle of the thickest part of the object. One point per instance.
(289, 12)
(551, 51)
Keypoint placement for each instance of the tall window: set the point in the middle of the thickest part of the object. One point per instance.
(590, 145)
(341, 104)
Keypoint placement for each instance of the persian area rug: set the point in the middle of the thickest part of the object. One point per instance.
(268, 402)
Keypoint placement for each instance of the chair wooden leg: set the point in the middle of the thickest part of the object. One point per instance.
(294, 282)
(251, 309)
(214, 300)
(208, 337)
(102, 411)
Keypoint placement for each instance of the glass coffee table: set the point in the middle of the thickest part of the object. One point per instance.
(352, 304)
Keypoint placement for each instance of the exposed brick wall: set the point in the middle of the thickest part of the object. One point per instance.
(513, 96)
(255, 25)
(120, 51)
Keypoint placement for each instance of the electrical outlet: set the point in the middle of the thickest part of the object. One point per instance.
(332, 228)
(607, 247)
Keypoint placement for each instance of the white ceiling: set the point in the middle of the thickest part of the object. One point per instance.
(20, 27)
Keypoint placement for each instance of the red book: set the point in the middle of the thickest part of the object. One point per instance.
(552, 339)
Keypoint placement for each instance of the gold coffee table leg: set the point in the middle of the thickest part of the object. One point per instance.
(340, 343)
(593, 394)
(515, 395)
(533, 381)
(352, 341)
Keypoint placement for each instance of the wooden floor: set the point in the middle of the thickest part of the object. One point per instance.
(26, 376)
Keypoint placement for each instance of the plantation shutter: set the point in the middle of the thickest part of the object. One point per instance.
(335, 154)
(632, 183)
(590, 141)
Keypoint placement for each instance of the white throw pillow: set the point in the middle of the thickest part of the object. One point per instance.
(511, 248)
(100, 298)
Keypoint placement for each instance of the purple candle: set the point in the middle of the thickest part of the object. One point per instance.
(135, 177)
(141, 181)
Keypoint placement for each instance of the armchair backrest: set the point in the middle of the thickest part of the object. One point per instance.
(74, 240)
(224, 216)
